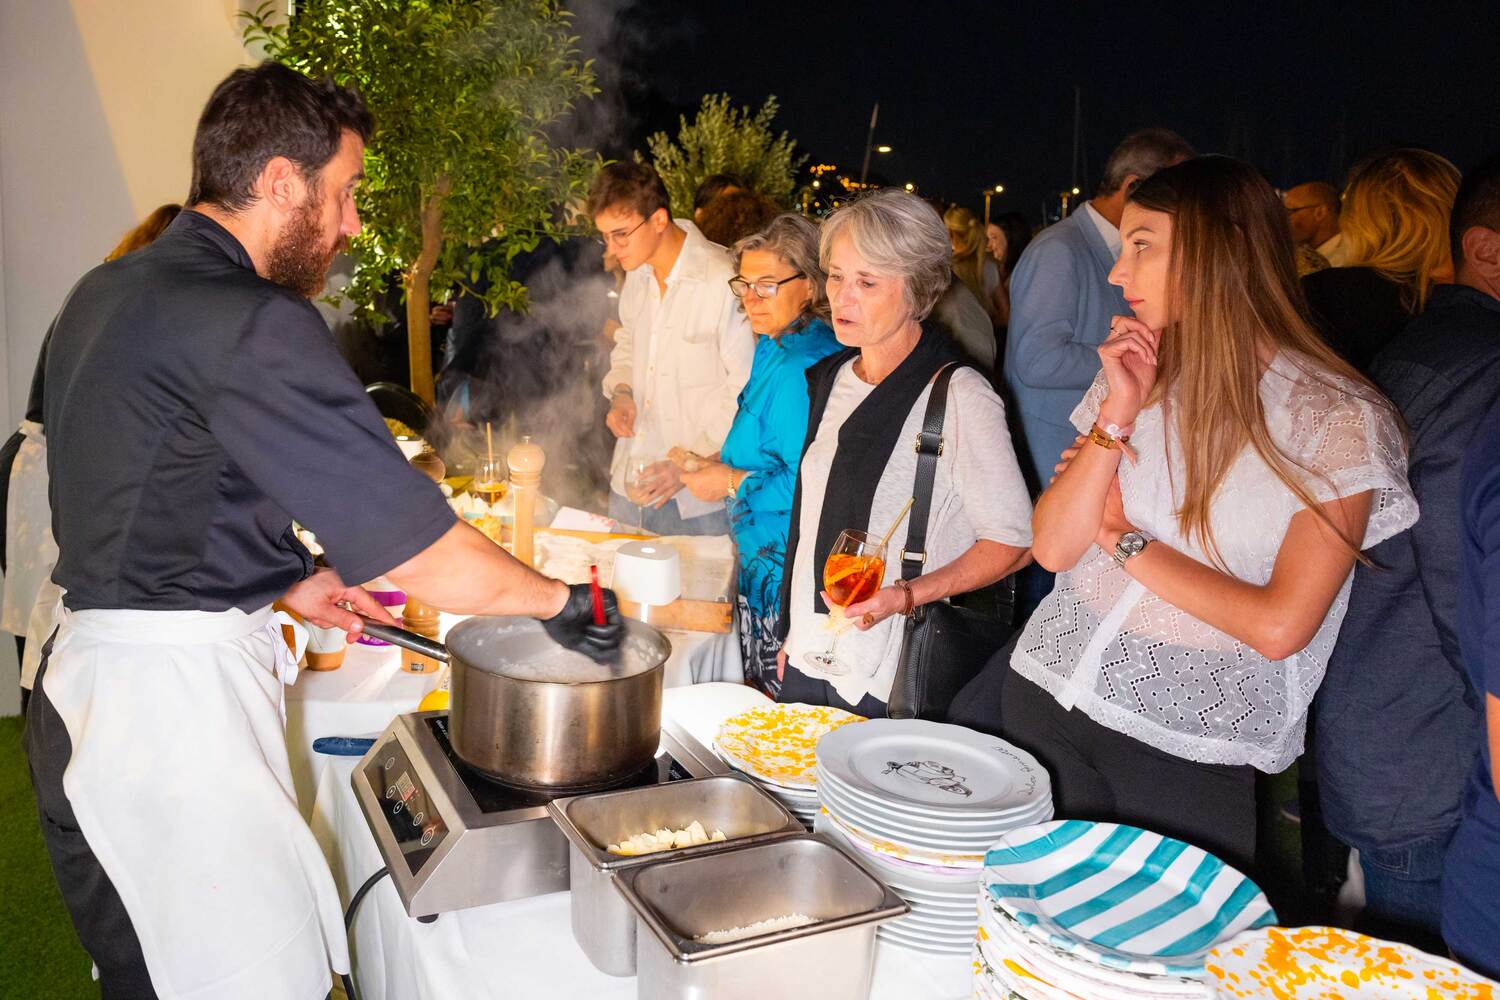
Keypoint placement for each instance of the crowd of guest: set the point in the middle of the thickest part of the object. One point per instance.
(1248, 438)
(1226, 458)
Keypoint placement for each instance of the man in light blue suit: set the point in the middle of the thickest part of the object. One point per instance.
(1062, 301)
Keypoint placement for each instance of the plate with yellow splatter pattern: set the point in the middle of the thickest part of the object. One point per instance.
(778, 743)
(1327, 963)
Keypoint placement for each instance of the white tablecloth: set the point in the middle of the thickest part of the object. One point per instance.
(525, 948)
(370, 689)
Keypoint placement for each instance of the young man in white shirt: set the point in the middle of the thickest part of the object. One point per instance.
(681, 355)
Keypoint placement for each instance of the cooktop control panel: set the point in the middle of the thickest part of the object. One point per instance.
(407, 809)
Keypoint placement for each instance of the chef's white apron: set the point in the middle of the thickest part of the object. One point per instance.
(180, 783)
(30, 552)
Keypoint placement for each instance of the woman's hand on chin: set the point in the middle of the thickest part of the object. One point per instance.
(1129, 359)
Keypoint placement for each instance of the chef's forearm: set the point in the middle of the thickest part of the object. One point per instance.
(464, 573)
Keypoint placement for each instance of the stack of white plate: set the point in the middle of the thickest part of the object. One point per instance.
(942, 915)
(921, 802)
(777, 746)
(1100, 911)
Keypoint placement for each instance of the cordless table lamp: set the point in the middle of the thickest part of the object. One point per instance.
(647, 573)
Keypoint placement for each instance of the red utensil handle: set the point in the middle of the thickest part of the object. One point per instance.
(598, 593)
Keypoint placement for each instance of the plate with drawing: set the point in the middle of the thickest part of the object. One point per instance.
(933, 767)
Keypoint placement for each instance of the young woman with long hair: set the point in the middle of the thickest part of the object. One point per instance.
(1204, 529)
(1006, 235)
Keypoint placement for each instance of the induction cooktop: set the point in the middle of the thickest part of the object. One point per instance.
(454, 838)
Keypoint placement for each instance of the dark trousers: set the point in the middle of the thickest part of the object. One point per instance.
(800, 688)
(1032, 584)
(20, 659)
(98, 915)
(1099, 774)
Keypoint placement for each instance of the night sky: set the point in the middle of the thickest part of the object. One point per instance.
(974, 94)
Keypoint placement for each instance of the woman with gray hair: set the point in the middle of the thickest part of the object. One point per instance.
(779, 282)
(888, 261)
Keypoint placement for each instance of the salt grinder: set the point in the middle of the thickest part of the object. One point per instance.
(417, 616)
(526, 461)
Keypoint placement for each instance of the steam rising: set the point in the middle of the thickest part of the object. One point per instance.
(539, 374)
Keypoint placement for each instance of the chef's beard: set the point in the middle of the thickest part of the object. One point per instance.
(300, 259)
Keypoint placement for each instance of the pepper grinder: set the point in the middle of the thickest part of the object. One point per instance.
(418, 617)
(526, 461)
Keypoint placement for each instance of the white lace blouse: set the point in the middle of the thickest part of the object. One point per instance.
(1105, 644)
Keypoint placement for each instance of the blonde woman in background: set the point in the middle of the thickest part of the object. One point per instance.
(1395, 227)
(979, 273)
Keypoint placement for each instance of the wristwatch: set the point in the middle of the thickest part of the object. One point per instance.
(1131, 543)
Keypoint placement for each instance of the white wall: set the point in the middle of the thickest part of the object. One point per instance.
(98, 99)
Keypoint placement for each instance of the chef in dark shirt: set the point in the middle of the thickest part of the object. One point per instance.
(195, 405)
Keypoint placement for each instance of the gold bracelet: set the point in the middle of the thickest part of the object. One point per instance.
(733, 489)
(1104, 439)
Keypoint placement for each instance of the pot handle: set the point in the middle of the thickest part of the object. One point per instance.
(406, 640)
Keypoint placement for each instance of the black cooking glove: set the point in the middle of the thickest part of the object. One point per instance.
(574, 626)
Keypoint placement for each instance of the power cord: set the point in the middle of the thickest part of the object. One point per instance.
(349, 923)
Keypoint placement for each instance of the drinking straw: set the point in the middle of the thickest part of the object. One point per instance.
(598, 594)
(489, 445)
(897, 523)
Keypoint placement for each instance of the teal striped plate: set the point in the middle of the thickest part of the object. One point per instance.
(1121, 896)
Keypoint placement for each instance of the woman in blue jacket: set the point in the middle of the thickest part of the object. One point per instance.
(781, 288)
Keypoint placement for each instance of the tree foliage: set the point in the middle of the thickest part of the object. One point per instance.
(460, 175)
(725, 139)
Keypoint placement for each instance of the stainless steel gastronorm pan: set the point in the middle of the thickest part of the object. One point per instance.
(831, 959)
(604, 926)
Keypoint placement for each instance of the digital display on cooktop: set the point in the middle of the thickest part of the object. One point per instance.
(414, 824)
(492, 796)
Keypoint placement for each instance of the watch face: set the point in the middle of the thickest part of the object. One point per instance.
(1132, 542)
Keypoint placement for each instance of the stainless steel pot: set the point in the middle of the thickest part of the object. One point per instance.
(526, 712)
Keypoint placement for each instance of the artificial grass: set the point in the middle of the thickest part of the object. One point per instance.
(40, 957)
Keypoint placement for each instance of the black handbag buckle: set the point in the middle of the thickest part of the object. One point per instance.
(929, 443)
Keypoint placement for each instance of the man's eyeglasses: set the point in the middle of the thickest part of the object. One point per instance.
(763, 289)
(619, 236)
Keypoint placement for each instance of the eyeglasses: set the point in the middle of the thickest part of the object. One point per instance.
(619, 236)
(763, 289)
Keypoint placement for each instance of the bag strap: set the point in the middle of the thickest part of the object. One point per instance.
(929, 447)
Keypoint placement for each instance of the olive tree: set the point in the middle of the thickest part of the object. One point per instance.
(724, 139)
(461, 174)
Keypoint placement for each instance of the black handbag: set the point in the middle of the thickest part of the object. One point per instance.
(947, 643)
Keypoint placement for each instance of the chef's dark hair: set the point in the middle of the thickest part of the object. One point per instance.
(260, 113)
